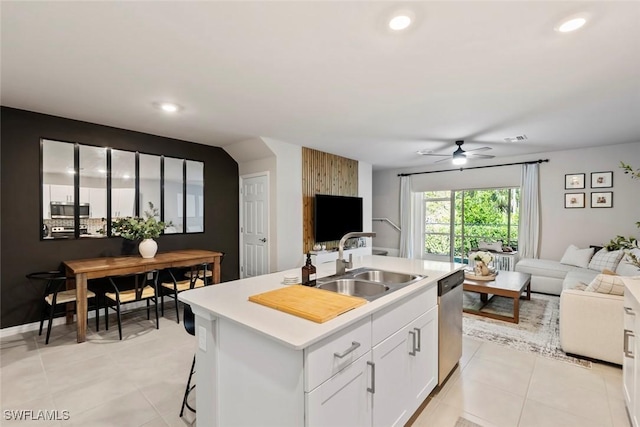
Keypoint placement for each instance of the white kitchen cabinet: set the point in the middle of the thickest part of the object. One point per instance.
(423, 367)
(61, 193)
(98, 203)
(46, 201)
(123, 202)
(343, 400)
(630, 369)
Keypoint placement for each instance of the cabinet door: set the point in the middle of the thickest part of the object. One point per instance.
(630, 374)
(61, 193)
(122, 202)
(423, 364)
(342, 400)
(98, 202)
(391, 365)
(46, 201)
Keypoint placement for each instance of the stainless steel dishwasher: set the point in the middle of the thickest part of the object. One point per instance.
(449, 324)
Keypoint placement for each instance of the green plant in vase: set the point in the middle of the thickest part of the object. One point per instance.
(141, 229)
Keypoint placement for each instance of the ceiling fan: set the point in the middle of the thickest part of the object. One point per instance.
(460, 156)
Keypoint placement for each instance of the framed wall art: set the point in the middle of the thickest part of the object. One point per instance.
(602, 200)
(601, 179)
(574, 200)
(574, 181)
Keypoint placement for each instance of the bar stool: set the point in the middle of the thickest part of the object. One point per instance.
(54, 280)
(190, 327)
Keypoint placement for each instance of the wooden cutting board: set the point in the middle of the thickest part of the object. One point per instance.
(313, 304)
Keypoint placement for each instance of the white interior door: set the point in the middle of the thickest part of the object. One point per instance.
(254, 220)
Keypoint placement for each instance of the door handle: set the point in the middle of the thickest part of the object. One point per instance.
(372, 389)
(413, 347)
(354, 345)
(627, 353)
(629, 311)
(418, 331)
(263, 240)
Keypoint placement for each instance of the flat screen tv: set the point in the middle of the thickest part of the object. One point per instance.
(335, 216)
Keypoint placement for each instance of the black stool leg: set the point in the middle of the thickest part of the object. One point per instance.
(119, 319)
(175, 298)
(51, 310)
(189, 388)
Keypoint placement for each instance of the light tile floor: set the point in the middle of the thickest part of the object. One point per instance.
(140, 381)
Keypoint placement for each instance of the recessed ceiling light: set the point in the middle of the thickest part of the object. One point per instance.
(168, 107)
(571, 24)
(400, 22)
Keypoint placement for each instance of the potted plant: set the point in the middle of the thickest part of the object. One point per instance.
(141, 229)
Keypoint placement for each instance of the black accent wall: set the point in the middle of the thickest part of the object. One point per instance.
(23, 252)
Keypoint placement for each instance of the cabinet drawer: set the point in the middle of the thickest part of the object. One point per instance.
(391, 319)
(322, 360)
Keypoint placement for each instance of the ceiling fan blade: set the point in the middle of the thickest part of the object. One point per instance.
(443, 160)
(480, 156)
(480, 149)
(437, 155)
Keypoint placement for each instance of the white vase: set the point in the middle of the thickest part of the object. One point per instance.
(148, 248)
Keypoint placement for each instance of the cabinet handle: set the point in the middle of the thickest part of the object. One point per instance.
(418, 331)
(413, 346)
(372, 389)
(627, 334)
(354, 345)
(629, 311)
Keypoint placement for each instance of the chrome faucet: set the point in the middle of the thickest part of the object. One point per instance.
(343, 264)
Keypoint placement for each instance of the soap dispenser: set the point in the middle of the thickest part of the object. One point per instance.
(309, 272)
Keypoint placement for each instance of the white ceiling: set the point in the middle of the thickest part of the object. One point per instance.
(330, 75)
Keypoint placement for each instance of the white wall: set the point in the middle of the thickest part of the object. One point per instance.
(560, 226)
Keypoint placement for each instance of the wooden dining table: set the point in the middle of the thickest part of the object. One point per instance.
(80, 270)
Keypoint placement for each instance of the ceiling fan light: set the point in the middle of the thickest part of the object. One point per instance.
(459, 159)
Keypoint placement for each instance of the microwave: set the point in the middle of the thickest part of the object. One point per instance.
(62, 210)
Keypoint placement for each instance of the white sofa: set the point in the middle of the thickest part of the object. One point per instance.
(591, 323)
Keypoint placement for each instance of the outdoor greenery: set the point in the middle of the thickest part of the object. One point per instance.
(136, 228)
(489, 215)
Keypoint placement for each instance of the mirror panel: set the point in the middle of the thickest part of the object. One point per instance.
(195, 196)
(174, 195)
(123, 183)
(149, 176)
(58, 176)
(93, 191)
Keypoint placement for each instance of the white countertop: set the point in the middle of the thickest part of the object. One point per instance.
(633, 285)
(229, 300)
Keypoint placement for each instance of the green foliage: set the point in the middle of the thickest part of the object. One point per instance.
(629, 170)
(136, 228)
(485, 217)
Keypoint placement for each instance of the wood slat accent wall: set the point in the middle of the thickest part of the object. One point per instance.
(324, 173)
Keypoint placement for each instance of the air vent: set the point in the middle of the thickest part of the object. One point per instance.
(518, 138)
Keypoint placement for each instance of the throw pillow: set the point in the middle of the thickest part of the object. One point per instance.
(609, 272)
(576, 256)
(605, 259)
(496, 246)
(625, 268)
(606, 284)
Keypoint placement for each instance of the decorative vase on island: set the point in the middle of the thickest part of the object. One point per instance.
(481, 269)
(148, 248)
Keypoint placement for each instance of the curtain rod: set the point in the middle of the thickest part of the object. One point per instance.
(477, 167)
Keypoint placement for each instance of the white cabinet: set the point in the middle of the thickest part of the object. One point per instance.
(46, 201)
(343, 400)
(630, 369)
(98, 202)
(123, 202)
(61, 193)
(423, 366)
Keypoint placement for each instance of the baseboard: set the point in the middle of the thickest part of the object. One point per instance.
(34, 326)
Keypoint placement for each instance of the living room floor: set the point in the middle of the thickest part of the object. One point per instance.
(140, 381)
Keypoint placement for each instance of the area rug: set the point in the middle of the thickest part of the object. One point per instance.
(538, 331)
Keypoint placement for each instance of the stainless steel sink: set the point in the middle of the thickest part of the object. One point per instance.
(354, 287)
(387, 277)
(368, 283)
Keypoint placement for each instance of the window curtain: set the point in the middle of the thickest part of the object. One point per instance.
(529, 228)
(406, 221)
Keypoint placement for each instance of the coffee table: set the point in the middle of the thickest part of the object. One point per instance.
(508, 284)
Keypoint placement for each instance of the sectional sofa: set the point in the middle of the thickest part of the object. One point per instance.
(591, 319)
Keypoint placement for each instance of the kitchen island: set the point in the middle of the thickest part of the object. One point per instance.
(373, 365)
